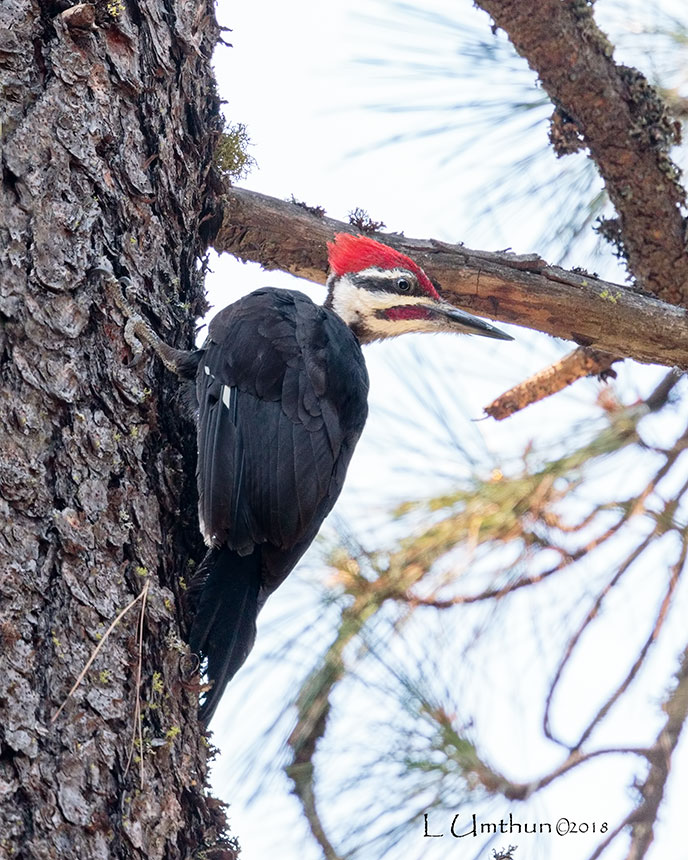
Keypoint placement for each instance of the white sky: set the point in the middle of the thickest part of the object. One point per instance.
(294, 77)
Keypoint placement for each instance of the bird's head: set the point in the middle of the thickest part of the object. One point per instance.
(380, 293)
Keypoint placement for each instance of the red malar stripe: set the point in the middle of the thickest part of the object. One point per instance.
(407, 312)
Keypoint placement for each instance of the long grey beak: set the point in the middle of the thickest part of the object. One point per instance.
(467, 322)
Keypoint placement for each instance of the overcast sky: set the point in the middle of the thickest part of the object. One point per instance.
(312, 81)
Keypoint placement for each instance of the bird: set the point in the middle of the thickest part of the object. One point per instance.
(281, 399)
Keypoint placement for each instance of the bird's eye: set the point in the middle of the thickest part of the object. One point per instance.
(403, 284)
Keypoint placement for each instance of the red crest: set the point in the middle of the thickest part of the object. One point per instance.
(349, 254)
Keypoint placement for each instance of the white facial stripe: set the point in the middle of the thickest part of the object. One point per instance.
(352, 303)
(386, 274)
(226, 395)
(393, 275)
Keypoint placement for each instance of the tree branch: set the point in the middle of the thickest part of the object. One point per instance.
(624, 123)
(511, 288)
(652, 789)
(583, 361)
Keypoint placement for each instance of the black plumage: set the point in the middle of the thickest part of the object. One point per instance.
(282, 391)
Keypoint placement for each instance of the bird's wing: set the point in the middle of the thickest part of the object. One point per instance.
(282, 394)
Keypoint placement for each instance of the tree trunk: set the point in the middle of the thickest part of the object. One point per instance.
(109, 123)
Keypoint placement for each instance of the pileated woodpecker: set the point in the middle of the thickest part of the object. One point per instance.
(281, 388)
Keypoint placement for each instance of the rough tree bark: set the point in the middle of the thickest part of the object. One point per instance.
(613, 111)
(108, 128)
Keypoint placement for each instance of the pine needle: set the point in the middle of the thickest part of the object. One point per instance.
(96, 650)
(138, 729)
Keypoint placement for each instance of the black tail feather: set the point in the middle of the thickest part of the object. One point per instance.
(224, 626)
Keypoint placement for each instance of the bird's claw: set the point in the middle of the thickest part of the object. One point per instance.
(134, 343)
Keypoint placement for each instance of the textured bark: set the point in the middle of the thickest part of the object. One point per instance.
(621, 119)
(550, 380)
(507, 287)
(109, 120)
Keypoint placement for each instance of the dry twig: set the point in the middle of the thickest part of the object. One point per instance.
(583, 361)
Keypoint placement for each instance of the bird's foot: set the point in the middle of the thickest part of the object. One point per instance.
(136, 330)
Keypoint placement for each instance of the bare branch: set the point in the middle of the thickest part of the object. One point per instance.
(577, 364)
(662, 392)
(611, 836)
(651, 639)
(589, 617)
(511, 288)
(313, 706)
(652, 790)
(576, 758)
